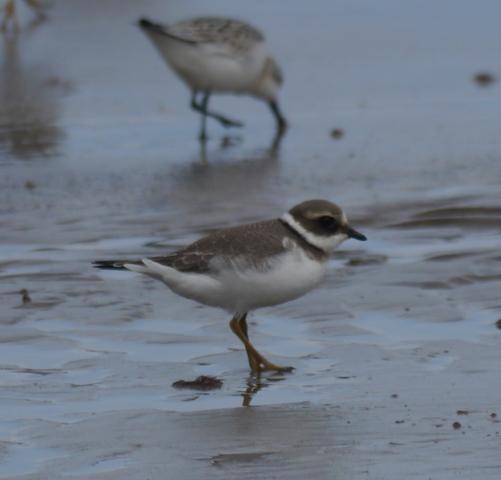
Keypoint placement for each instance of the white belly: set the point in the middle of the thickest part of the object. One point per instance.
(210, 67)
(293, 274)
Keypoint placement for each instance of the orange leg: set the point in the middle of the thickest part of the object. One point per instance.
(257, 362)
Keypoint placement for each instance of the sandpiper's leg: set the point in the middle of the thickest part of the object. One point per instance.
(257, 362)
(202, 108)
(280, 119)
(203, 111)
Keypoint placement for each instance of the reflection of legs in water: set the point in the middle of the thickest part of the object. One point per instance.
(275, 144)
(255, 383)
(203, 152)
(253, 386)
(257, 362)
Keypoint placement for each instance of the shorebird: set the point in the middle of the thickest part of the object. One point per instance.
(9, 13)
(219, 55)
(251, 266)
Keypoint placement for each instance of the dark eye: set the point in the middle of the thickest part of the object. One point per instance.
(328, 222)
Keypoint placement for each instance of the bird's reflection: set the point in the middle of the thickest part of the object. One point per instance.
(29, 104)
(233, 179)
(256, 382)
(229, 141)
(254, 385)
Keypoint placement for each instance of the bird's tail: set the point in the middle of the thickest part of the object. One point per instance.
(162, 29)
(152, 26)
(112, 264)
(131, 265)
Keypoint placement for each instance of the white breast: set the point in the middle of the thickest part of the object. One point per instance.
(236, 289)
(293, 274)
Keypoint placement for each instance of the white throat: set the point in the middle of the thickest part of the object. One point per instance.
(326, 244)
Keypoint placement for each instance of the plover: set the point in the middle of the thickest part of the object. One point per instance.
(219, 55)
(251, 266)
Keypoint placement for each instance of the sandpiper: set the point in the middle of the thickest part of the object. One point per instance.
(219, 55)
(251, 266)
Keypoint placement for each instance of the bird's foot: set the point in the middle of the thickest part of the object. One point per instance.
(261, 364)
(228, 122)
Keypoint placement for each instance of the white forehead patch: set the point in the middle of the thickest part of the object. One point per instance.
(326, 244)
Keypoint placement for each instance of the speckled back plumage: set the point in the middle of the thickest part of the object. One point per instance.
(240, 36)
(253, 244)
(250, 246)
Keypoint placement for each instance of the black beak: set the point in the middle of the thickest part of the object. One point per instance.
(352, 233)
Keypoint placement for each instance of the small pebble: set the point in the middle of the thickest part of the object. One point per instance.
(25, 296)
(484, 79)
(337, 133)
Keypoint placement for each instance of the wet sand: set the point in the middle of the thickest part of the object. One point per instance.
(98, 159)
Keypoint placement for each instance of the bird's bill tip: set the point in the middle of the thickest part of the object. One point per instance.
(352, 233)
(143, 23)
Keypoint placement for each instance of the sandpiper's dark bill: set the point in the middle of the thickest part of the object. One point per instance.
(219, 55)
(251, 266)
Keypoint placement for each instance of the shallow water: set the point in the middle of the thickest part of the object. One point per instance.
(98, 159)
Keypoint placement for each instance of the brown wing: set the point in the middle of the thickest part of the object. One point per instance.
(238, 34)
(248, 244)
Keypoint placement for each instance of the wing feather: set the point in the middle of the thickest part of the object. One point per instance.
(240, 248)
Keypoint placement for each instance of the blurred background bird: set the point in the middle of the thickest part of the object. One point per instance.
(9, 13)
(219, 55)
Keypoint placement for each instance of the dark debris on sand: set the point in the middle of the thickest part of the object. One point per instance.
(484, 79)
(25, 296)
(337, 133)
(200, 383)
